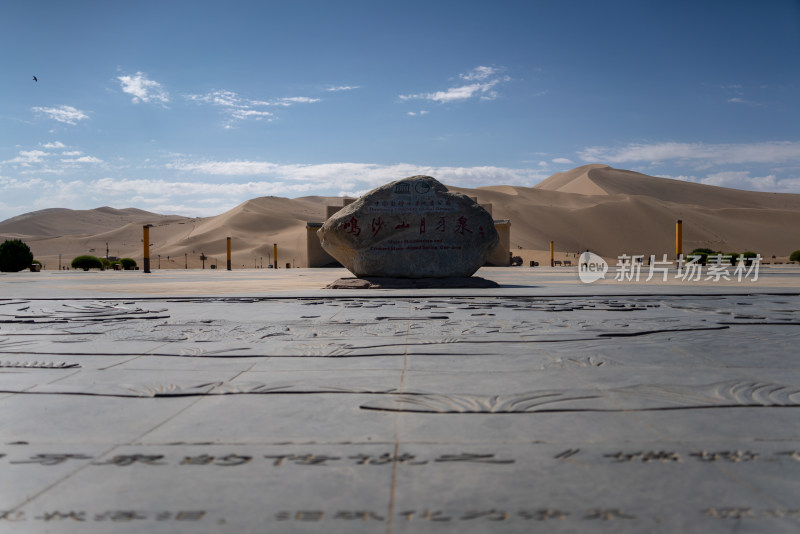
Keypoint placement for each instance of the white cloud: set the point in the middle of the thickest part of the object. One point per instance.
(83, 159)
(251, 114)
(28, 157)
(563, 161)
(14, 183)
(362, 175)
(343, 88)
(142, 89)
(217, 98)
(238, 108)
(65, 114)
(452, 94)
(486, 78)
(223, 168)
(751, 103)
(288, 101)
(742, 180)
(771, 152)
(479, 73)
(57, 144)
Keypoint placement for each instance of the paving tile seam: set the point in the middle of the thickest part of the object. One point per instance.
(398, 422)
(168, 419)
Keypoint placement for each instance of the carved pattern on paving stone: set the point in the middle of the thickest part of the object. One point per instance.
(582, 361)
(40, 365)
(68, 312)
(171, 389)
(642, 397)
(415, 324)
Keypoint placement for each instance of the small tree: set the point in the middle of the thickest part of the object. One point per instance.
(795, 256)
(14, 256)
(87, 262)
(128, 264)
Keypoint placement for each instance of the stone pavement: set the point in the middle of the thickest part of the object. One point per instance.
(254, 401)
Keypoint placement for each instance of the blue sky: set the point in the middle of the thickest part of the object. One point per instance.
(195, 107)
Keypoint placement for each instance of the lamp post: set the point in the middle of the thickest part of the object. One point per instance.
(146, 242)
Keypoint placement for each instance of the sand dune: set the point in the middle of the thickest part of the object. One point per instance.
(609, 211)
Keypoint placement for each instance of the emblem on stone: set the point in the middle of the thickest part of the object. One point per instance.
(411, 228)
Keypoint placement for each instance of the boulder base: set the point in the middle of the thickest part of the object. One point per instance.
(380, 282)
(411, 228)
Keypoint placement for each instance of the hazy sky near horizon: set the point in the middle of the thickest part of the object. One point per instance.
(194, 107)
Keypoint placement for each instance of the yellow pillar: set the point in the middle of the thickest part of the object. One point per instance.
(146, 242)
(678, 238)
(552, 254)
(275, 255)
(229, 252)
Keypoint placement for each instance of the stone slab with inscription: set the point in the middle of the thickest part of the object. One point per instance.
(410, 228)
(541, 406)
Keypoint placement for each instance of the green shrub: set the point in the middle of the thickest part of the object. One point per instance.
(734, 257)
(107, 264)
(128, 264)
(795, 256)
(14, 256)
(87, 262)
(706, 251)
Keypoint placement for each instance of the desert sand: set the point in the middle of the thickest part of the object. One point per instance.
(594, 207)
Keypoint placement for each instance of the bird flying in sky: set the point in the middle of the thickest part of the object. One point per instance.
(35, 79)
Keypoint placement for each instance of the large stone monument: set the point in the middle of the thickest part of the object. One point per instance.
(411, 228)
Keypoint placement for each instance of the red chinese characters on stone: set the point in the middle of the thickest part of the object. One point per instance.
(461, 227)
(377, 224)
(351, 227)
